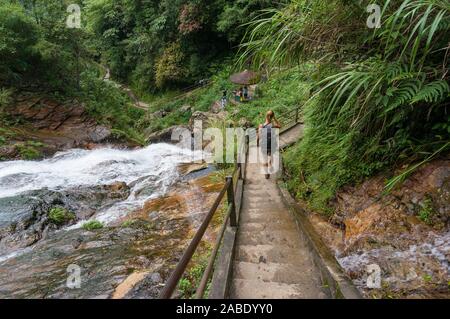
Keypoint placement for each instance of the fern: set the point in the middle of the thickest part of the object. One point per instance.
(432, 93)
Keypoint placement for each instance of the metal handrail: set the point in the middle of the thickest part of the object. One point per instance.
(175, 277)
(287, 120)
(231, 217)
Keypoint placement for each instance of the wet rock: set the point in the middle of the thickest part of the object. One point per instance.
(206, 118)
(119, 261)
(189, 168)
(99, 134)
(24, 219)
(406, 233)
(165, 136)
(42, 271)
(8, 152)
(156, 278)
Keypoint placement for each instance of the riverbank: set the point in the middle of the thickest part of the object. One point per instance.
(146, 204)
(404, 233)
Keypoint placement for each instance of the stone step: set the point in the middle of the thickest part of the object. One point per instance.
(272, 254)
(270, 193)
(265, 217)
(299, 273)
(277, 224)
(264, 205)
(270, 237)
(252, 289)
(263, 199)
(253, 188)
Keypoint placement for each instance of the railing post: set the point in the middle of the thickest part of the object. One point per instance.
(231, 201)
(296, 115)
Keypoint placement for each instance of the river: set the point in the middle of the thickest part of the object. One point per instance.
(107, 185)
(149, 171)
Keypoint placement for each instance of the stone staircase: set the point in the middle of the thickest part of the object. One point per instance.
(272, 260)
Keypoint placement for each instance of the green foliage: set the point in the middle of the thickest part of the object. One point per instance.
(29, 150)
(92, 225)
(164, 42)
(36, 46)
(426, 211)
(282, 35)
(284, 91)
(110, 106)
(188, 284)
(169, 66)
(5, 100)
(236, 13)
(200, 99)
(384, 106)
(428, 278)
(129, 223)
(60, 216)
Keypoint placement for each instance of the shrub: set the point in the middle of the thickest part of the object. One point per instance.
(60, 216)
(169, 66)
(28, 152)
(427, 211)
(5, 97)
(92, 225)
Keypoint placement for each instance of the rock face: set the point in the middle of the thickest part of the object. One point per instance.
(105, 259)
(58, 125)
(405, 233)
(129, 259)
(206, 118)
(165, 136)
(24, 219)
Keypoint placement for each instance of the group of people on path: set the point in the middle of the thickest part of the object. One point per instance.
(241, 95)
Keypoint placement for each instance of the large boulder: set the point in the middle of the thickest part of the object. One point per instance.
(99, 134)
(216, 107)
(207, 118)
(165, 136)
(25, 220)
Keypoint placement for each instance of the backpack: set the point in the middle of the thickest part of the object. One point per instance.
(268, 128)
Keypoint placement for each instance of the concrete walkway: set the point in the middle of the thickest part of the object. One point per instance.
(272, 259)
(291, 136)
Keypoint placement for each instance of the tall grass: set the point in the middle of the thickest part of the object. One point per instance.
(383, 98)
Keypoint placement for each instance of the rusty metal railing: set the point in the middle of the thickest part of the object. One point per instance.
(288, 120)
(231, 220)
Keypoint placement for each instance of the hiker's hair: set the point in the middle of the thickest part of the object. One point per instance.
(270, 115)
